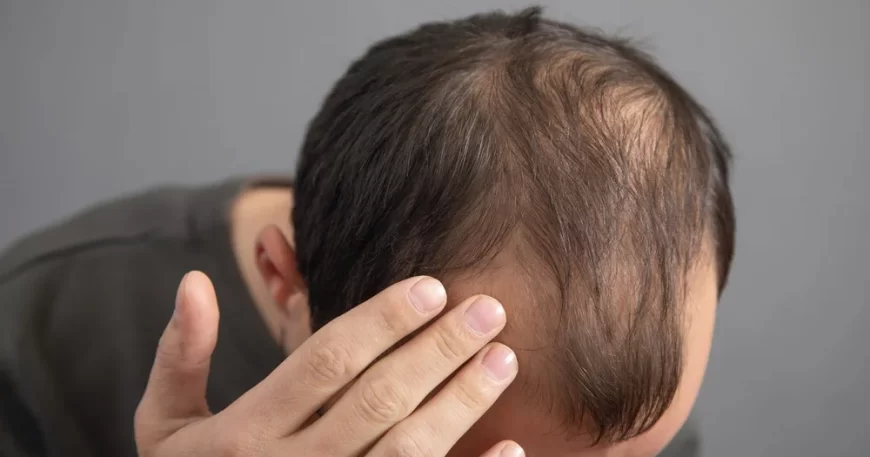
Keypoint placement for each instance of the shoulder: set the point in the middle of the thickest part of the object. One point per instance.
(100, 270)
(83, 303)
(159, 212)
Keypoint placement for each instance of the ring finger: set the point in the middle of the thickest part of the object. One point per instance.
(392, 388)
(440, 423)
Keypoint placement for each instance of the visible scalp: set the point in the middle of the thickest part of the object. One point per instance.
(565, 150)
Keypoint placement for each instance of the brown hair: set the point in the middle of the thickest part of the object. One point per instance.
(446, 145)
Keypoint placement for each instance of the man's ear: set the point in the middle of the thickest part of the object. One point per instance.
(276, 262)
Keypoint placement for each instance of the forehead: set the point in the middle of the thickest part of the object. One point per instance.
(507, 278)
(513, 418)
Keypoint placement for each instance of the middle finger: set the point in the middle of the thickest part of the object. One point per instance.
(393, 387)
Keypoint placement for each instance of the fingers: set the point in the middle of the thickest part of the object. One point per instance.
(336, 354)
(437, 426)
(176, 387)
(505, 449)
(392, 388)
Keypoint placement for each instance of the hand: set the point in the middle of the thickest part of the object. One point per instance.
(378, 415)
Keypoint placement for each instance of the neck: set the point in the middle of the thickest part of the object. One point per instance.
(252, 211)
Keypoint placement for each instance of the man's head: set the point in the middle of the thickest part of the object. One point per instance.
(555, 169)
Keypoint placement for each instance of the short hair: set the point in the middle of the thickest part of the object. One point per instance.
(444, 146)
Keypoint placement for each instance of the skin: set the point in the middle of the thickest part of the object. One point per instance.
(514, 416)
(465, 411)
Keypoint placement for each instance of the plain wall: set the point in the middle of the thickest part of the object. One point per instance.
(100, 97)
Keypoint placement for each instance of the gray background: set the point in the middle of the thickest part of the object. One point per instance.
(99, 97)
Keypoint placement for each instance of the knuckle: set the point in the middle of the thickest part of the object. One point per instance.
(167, 355)
(141, 425)
(406, 444)
(140, 418)
(330, 363)
(393, 320)
(449, 345)
(148, 429)
(383, 401)
(173, 354)
(140, 435)
(470, 396)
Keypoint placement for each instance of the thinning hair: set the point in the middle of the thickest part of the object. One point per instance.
(447, 145)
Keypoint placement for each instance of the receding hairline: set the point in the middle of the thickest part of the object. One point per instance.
(634, 108)
(507, 126)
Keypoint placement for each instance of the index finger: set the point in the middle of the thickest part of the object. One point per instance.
(337, 354)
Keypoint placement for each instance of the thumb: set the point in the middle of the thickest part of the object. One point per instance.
(177, 385)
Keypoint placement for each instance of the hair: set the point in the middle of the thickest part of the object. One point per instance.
(571, 150)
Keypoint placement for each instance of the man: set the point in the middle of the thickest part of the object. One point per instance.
(557, 171)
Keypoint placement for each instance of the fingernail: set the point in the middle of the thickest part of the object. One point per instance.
(484, 315)
(428, 295)
(512, 450)
(500, 363)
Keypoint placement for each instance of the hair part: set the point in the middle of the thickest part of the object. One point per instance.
(442, 147)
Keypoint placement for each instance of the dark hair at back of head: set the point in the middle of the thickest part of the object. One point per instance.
(444, 146)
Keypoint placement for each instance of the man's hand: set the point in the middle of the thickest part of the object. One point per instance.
(377, 416)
